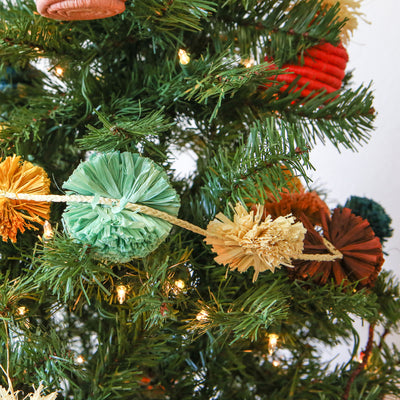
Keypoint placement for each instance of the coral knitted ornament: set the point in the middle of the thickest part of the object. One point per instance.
(321, 68)
(69, 10)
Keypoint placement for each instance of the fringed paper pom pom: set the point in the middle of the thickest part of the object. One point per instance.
(37, 395)
(308, 203)
(116, 232)
(17, 176)
(248, 241)
(322, 68)
(69, 10)
(354, 238)
(374, 213)
(348, 12)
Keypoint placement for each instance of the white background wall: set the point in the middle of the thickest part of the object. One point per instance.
(374, 53)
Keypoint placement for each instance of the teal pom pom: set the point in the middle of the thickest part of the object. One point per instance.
(374, 213)
(114, 232)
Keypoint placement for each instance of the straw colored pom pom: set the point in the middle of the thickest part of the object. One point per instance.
(356, 241)
(116, 232)
(69, 10)
(17, 176)
(308, 203)
(349, 11)
(248, 241)
(37, 395)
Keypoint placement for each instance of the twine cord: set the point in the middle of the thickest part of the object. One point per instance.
(105, 201)
(335, 254)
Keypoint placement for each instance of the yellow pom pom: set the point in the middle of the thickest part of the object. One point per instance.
(247, 241)
(18, 176)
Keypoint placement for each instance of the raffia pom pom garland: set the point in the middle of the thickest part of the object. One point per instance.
(69, 10)
(321, 68)
(115, 231)
(248, 241)
(17, 176)
(125, 208)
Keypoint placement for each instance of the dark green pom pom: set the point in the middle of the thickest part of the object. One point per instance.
(374, 213)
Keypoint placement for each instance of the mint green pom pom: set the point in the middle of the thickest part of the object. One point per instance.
(116, 233)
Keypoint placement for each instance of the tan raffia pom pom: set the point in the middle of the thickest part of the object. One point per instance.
(37, 395)
(247, 241)
(348, 10)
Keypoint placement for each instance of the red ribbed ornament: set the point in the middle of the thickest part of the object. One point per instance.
(321, 68)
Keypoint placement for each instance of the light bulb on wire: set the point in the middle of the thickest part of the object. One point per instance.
(59, 71)
(184, 58)
(179, 286)
(121, 293)
(22, 311)
(272, 342)
(48, 232)
(80, 359)
(202, 315)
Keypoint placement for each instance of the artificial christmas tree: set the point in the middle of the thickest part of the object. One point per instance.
(224, 284)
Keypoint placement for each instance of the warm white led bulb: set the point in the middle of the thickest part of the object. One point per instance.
(248, 63)
(79, 359)
(22, 311)
(272, 342)
(275, 363)
(59, 71)
(180, 284)
(121, 293)
(48, 232)
(184, 58)
(202, 315)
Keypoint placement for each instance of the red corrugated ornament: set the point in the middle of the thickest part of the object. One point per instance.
(354, 238)
(321, 68)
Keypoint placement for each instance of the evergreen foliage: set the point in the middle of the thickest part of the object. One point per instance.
(70, 88)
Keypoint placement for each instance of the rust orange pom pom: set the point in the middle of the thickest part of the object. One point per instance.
(308, 203)
(354, 238)
(17, 176)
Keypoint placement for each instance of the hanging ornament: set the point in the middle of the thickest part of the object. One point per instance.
(320, 68)
(354, 238)
(114, 231)
(308, 203)
(74, 10)
(374, 213)
(349, 13)
(247, 241)
(17, 176)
